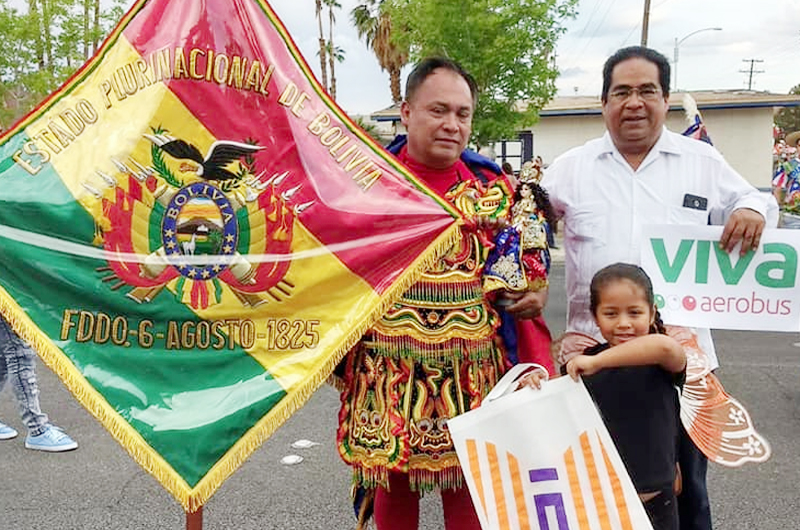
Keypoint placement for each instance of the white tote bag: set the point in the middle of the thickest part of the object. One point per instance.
(543, 459)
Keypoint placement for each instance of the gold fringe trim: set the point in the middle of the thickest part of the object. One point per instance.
(191, 499)
(371, 477)
(93, 401)
(423, 480)
(337, 383)
(444, 293)
(398, 347)
(420, 480)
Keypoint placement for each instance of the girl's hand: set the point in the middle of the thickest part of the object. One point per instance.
(533, 379)
(583, 365)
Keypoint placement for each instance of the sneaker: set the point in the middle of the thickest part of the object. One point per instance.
(53, 440)
(6, 432)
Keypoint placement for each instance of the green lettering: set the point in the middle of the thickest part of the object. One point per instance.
(701, 270)
(670, 272)
(788, 267)
(732, 273)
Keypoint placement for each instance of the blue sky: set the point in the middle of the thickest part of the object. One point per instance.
(765, 30)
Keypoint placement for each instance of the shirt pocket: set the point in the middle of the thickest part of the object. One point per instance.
(679, 215)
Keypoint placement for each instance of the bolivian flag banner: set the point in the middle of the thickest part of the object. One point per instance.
(193, 235)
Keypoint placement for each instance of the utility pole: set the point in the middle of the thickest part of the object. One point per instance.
(645, 21)
(751, 71)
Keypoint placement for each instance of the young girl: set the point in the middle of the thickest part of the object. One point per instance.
(632, 379)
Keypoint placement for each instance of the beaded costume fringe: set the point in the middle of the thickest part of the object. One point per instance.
(420, 480)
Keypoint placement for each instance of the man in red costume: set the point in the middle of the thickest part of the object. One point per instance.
(438, 351)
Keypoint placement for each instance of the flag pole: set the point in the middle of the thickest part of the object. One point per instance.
(194, 520)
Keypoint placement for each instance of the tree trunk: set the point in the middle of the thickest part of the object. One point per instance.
(394, 83)
(96, 40)
(322, 62)
(33, 11)
(86, 37)
(48, 40)
(333, 83)
(331, 52)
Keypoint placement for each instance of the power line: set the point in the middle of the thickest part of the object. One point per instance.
(751, 71)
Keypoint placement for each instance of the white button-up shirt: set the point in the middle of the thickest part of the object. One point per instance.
(604, 203)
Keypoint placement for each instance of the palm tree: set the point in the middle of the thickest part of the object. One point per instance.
(322, 63)
(373, 23)
(334, 53)
(330, 48)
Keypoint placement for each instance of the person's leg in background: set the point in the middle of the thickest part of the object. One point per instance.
(6, 431)
(694, 509)
(459, 512)
(397, 508)
(19, 360)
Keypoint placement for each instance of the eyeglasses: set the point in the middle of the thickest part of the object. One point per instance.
(647, 93)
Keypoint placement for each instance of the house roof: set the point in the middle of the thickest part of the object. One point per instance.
(705, 99)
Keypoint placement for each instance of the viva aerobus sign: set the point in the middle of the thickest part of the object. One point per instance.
(698, 284)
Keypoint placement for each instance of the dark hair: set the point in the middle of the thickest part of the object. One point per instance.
(507, 169)
(427, 66)
(625, 271)
(542, 200)
(633, 52)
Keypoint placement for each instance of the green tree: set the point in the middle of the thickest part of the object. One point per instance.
(369, 128)
(43, 45)
(374, 24)
(788, 118)
(507, 45)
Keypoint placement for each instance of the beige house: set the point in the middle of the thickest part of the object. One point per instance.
(739, 122)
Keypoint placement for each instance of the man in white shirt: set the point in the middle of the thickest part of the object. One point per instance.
(640, 173)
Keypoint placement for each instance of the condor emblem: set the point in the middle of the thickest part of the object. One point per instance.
(193, 235)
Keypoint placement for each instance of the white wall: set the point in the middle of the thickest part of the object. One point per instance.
(743, 136)
(555, 134)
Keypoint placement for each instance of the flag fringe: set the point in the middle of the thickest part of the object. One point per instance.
(91, 400)
(193, 498)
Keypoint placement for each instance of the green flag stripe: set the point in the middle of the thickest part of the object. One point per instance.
(214, 389)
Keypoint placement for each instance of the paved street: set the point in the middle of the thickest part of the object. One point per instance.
(99, 487)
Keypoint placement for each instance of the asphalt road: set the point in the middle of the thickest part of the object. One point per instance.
(99, 487)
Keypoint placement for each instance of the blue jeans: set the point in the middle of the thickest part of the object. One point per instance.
(694, 508)
(17, 364)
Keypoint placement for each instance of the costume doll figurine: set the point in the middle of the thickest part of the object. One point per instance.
(530, 172)
(520, 259)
